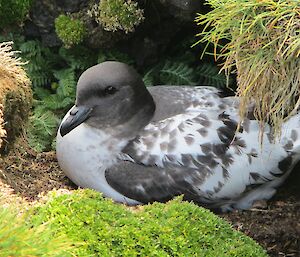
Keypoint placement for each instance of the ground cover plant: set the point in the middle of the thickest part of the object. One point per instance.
(174, 229)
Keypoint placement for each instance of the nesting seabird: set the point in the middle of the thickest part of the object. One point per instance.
(138, 145)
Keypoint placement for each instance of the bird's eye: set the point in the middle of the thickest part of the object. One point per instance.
(110, 90)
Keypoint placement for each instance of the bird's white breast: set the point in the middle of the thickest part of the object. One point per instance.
(85, 153)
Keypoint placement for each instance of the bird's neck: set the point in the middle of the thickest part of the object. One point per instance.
(132, 127)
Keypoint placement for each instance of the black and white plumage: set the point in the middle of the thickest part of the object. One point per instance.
(139, 145)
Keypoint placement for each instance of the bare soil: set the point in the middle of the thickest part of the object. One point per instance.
(275, 225)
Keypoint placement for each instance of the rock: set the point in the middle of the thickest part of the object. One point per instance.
(44, 12)
(183, 9)
(42, 15)
(50, 39)
(71, 6)
(260, 204)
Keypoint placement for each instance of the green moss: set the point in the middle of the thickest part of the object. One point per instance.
(13, 11)
(19, 239)
(116, 15)
(70, 31)
(174, 229)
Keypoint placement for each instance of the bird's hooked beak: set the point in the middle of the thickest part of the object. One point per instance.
(78, 114)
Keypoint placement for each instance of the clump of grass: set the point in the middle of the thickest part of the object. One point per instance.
(262, 40)
(174, 229)
(15, 93)
(116, 15)
(20, 239)
(11, 65)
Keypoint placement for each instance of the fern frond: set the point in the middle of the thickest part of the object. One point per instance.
(210, 75)
(78, 58)
(38, 66)
(39, 79)
(176, 73)
(32, 67)
(41, 93)
(56, 102)
(67, 82)
(41, 129)
(148, 78)
(31, 48)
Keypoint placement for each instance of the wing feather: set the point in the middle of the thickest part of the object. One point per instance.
(198, 152)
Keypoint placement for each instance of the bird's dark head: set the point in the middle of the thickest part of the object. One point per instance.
(109, 95)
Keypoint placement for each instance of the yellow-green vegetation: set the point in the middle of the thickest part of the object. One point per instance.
(174, 229)
(70, 31)
(116, 15)
(261, 39)
(13, 11)
(15, 92)
(20, 239)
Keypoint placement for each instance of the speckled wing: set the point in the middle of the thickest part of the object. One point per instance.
(199, 152)
(201, 117)
(151, 183)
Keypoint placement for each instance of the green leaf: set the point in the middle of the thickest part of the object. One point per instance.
(41, 93)
(78, 58)
(42, 127)
(148, 78)
(56, 102)
(210, 75)
(67, 82)
(39, 79)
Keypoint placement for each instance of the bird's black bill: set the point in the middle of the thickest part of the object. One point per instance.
(77, 116)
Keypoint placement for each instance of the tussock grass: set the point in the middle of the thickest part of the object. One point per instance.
(11, 65)
(262, 44)
(12, 75)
